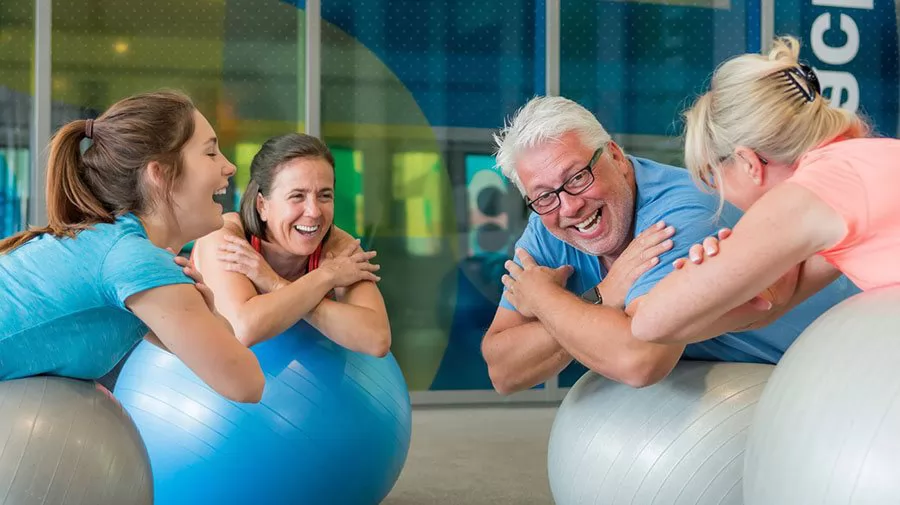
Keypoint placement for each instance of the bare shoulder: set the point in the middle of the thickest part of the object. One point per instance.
(232, 227)
(338, 240)
(206, 247)
(233, 224)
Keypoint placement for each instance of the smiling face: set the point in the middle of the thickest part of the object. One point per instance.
(598, 220)
(205, 174)
(300, 207)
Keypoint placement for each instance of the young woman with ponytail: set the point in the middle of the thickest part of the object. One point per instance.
(79, 293)
(820, 196)
(282, 260)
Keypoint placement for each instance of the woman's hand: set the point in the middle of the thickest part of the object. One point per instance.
(207, 293)
(238, 256)
(641, 255)
(709, 248)
(350, 265)
(777, 294)
(208, 297)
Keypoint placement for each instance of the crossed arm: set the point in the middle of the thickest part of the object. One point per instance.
(522, 352)
(783, 229)
(552, 326)
(183, 323)
(357, 320)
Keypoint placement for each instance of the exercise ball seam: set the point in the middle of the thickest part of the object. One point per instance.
(693, 422)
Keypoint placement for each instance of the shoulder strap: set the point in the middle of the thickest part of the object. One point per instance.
(316, 258)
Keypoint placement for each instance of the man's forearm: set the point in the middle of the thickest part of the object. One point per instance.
(522, 357)
(600, 338)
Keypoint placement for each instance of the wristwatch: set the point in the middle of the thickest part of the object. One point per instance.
(593, 296)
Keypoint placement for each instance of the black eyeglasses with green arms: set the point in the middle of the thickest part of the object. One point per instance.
(579, 183)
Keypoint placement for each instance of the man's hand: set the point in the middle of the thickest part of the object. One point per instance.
(526, 284)
(641, 255)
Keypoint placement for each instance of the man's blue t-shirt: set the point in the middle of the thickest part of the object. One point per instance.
(667, 193)
(62, 300)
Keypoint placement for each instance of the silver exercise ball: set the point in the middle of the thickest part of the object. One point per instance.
(827, 428)
(678, 442)
(69, 442)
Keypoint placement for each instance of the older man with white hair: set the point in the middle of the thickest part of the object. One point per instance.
(605, 228)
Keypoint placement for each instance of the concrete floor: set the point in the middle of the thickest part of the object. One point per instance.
(476, 456)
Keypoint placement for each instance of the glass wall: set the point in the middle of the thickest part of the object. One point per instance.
(241, 61)
(16, 92)
(411, 91)
(853, 47)
(636, 64)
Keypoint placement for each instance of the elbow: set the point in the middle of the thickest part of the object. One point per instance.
(644, 371)
(502, 382)
(501, 374)
(502, 378)
(249, 390)
(641, 378)
(379, 344)
(647, 330)
(248, 395)
(245, 332)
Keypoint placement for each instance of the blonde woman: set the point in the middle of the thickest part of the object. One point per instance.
(820, 196)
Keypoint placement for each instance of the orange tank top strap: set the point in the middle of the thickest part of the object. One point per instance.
(255, 243)
(315, 259)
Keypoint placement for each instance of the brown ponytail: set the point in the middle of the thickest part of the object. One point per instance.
(70, 203)
(106, 181)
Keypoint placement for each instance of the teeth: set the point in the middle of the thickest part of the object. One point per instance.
(590, 223)
(221, 191)
(306, 229)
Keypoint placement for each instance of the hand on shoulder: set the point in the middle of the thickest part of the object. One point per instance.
(345, 260)
(339, 241)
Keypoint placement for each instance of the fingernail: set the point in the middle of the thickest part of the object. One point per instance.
(710, 250)
(654, 260)
(668, 243)
(670, 229)
(660, 224)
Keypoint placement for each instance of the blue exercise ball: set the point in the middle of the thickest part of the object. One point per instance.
(333, 426)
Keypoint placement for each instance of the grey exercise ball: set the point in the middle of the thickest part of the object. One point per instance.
(827, 428)
(68, 442)
(680, 441)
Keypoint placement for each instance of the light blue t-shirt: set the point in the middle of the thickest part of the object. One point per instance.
(62, 300)
(667, 193)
